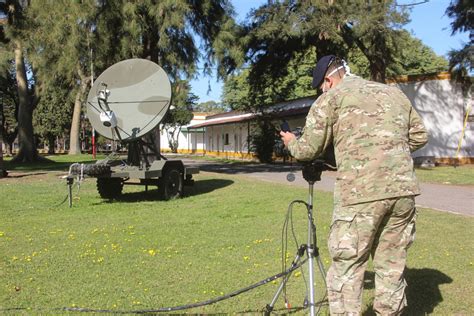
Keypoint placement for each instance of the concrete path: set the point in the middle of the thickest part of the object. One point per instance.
(449, 198)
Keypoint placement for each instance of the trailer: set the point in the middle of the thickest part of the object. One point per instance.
(126, 104)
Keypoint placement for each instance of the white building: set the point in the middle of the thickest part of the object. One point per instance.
(187, 143)
(446, 111)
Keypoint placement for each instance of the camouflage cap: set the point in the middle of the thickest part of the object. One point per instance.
(320, 69)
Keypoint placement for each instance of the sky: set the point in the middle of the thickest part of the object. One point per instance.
(428, 23)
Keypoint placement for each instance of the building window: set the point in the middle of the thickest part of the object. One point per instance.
(226, 139)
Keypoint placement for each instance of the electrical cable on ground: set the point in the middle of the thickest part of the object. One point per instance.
(188, 306)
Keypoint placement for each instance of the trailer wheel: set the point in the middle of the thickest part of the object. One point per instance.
(109, 188)
(170, 185)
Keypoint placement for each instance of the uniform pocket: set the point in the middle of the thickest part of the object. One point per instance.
(343, 240)
(410, 231)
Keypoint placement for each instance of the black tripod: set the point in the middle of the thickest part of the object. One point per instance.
(311, 173)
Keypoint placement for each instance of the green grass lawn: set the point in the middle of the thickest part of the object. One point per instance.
(139, 253)
(461, 175)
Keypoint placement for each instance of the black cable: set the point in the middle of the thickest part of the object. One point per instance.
(289, 221)
(174, 308)
(298, 246)
(284, 241)
(284, 244)
(188, 306)
(64, 201)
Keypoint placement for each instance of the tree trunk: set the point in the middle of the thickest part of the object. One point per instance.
(27, 151)
(74, 143)
(51, 144)
(377, 70)
(1, 141)
(9, 144)
(2, 169)
(173, 138)
(378, 55)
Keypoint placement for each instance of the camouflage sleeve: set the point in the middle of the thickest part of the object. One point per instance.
(417, 135)
(317, 134)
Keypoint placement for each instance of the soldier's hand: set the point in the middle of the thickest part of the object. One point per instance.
(286, 137)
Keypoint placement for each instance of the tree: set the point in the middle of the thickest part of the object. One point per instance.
(410, 57)
(462, 60)
(262, 140)
(279, 31)
(6, 85)
(283, 40)
(180, 114)
(52, 117)
(210, 107)
(165, 32)
(3, 16)
(64, 39)
(239, 95)
(8, 107)
(13, 37)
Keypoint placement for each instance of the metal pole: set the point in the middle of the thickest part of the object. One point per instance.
(70, 181)
(94, 149)
(311, 250)
(284, 281)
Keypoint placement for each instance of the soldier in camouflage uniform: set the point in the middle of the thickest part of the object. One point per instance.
(373, 128)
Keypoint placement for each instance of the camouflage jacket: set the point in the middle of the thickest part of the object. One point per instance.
(374, 129)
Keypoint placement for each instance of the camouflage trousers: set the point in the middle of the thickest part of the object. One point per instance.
(382, 229)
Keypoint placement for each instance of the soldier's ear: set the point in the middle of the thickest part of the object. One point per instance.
(329, 81)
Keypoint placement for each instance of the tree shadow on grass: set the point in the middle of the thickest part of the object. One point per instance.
(422, 291)
(199, 187)
(26, 174)
(44, 164)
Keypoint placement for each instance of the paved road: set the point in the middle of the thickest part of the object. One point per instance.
(449, 198)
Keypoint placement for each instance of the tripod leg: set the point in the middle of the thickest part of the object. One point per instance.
(316, 255)
(313, 251)
(321, 268)
(311, 281)
(269, 307)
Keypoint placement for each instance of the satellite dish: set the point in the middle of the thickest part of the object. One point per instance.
(129, 99)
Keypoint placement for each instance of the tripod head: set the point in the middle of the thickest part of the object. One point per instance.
(312, 170)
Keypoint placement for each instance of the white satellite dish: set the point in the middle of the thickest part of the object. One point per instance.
(129, 99)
